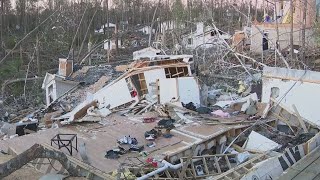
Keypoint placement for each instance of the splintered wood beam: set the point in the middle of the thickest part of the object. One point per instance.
(34, 152)
(302, 123)
(5, 84)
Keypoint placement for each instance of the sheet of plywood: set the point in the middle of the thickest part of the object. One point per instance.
(257, 142)
(151, 79)
(184, 88)
(189, 90)
(168, 90)
(117, 94)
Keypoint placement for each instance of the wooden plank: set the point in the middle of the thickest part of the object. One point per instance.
(301, 165)
(292, 79)
(225, 174)
(245, 169)
(317, 177)
(193, 169)
(310, 172)
(303, 125)
(53, 161)
(167, 174)
(284, 120)
(238, 175)
(211, 156)
(82, 165)
(205, 165)
(217, 164)
(228, 162)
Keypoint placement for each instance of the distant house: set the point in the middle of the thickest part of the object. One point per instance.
(264, 35)
(104, 28)
(112, 45)
(204, 37)
(146, 29)
(56, 86)
(146, 53)
(158, 80)
(123, 25)
(169, 25)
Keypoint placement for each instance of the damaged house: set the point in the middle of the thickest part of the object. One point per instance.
(57, 85)
(150, 124)
(276, 32)
(205, 36)
(157, 80)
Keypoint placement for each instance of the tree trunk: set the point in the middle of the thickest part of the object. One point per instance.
(291, 32)
(1, 22)
(303, 43)
(38, 58)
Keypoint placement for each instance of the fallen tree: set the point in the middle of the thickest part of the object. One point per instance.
(5, 84)
(34, 152)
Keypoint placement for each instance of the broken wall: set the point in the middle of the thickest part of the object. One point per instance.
(63, 87)
(151, 79)
(284, 36)
(186, 89)
(294, 87)
(114, 95)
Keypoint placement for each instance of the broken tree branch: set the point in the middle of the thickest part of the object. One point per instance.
(25, 81)
(5, 84)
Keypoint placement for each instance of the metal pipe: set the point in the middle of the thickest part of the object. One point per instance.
(167, 165)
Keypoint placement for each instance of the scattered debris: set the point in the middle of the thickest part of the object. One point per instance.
(171, 123)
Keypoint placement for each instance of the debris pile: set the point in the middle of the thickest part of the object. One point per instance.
(158, 113)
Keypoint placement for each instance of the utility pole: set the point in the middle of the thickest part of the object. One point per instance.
(291, 33)
(303, 43)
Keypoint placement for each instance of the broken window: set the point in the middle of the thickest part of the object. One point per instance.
(140, 84)
(175, 72)
(190, 41)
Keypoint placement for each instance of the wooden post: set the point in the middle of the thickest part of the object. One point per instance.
(303, 125)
